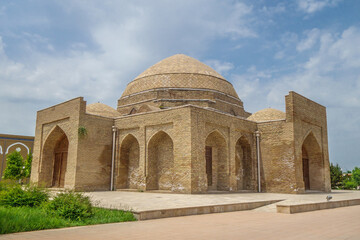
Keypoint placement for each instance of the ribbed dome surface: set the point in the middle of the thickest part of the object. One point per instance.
(102, 110)
(180, 71)
(180, 63)
(267, 114)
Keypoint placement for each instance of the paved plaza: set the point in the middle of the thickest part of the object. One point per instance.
(145, 201)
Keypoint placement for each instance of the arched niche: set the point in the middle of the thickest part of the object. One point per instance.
(312, 164)
(216, 164)
(128, 173)
(243, 164)
(160, 162)
(54, 159)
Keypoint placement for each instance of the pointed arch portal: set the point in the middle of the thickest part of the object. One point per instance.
(216, 164)
(312, 164)
(54, 159)
(129, 163)
(243, 164)
(160, 162)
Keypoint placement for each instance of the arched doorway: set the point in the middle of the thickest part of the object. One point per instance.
(54, 159)
(60, 162)
(128, 174)
(160, 162)
(312, 164)
(243, 164)
(216, 162)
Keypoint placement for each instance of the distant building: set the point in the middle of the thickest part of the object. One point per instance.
(181, 127)
(11, 143)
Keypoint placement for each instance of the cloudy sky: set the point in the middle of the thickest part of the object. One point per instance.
(52, 51)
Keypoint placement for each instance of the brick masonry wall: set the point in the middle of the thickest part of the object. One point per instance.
(170, 146)
(144, 127)
(94, 153)
(308, 117)
(64, 116)
(277, 157)
(205, 122)
(167, 97)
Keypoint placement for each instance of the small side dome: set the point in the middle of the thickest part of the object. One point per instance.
(102, 110)
(267, 114)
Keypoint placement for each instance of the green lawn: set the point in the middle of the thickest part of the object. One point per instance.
(21, 219)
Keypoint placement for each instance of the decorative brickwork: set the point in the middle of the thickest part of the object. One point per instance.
(181, 127)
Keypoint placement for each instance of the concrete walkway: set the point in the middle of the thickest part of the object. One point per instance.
(332, 224)
(145, 201)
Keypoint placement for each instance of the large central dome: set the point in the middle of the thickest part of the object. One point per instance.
(180, 71)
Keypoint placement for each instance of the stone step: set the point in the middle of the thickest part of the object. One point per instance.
(307, 207)
(176, 212)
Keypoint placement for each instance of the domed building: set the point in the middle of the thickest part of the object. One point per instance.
(181, 127)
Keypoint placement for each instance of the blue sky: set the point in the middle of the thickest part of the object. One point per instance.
(52, 51)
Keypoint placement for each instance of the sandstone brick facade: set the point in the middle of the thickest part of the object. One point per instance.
(185, 133)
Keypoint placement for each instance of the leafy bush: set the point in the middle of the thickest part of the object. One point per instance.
(17, 196)
(6, 184)
(70, 205)
(336, 176)
(356, 175)
(14, 166)
(350, 184)
(27, 165)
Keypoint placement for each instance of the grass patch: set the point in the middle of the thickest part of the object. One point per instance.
(21, 219)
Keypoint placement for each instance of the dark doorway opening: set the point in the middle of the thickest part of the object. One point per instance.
(60, 163)
(306, 173)
(208, 156)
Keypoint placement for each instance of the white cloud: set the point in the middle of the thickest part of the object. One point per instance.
(220, 67)
(312, 6)
(330, 75)
(123, 39)
(323, 75)
(311, 38)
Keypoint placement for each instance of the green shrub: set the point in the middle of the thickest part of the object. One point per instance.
(27, 165)
(17, 196)
(14, 166)
(7, 184)
(70, 205)
(350, 185)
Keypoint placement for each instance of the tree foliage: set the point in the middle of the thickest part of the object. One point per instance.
(336, 176)
(344, 180)
(27, 164)
(356, 175)
(14, 166)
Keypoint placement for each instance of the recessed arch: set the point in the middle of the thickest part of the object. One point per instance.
(54, 157)
(243, 164)
(129, 172)
(310, 132)
(132, 111)
(160, 172)
(216, 131)
(17, 143)
(1, 151)
(216, 161)
(312, 164)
